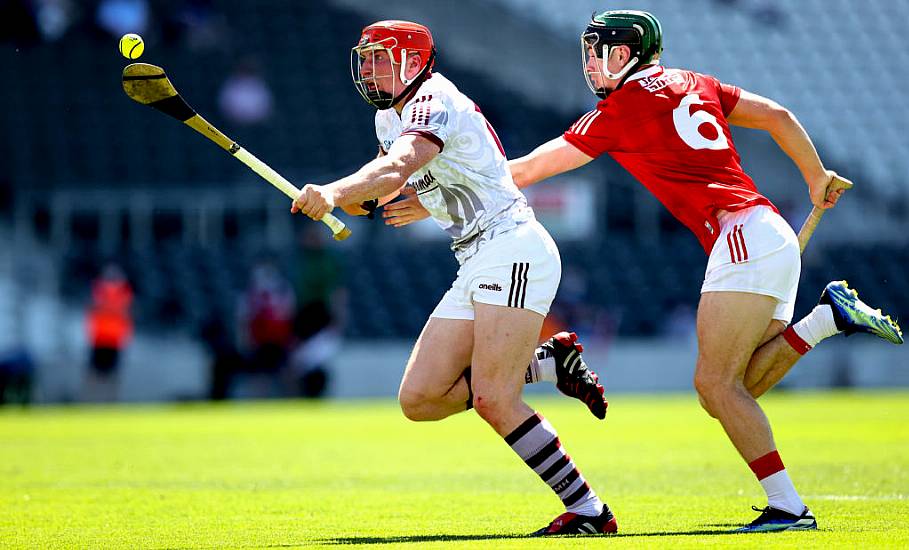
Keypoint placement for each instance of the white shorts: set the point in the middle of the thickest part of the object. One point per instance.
(520, 268)
(756, 252)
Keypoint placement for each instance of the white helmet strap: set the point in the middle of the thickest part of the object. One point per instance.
(403, 71)
(615, 76)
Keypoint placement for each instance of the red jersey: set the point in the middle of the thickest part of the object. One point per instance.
(668, 128)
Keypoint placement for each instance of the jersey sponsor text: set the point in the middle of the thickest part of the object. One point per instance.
(421, 184)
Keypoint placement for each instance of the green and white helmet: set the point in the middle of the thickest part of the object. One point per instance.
(639, 30)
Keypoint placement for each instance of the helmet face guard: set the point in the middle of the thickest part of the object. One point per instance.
(640, 31)
(593, 46)
(383, 53)
(380, 74)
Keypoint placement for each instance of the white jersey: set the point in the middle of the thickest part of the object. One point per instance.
(467, 188)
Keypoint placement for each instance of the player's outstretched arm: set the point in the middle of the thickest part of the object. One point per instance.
(547, 160)
(378, 178)
(358, 210)
(754, 111)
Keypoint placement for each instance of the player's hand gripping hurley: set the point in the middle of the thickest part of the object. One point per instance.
(148, 85)
(837, 183)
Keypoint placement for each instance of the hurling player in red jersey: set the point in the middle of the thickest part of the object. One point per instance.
(670, 129)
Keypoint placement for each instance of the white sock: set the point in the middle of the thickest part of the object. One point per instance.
(817, 325)
(590, 505)
(781, 493)
(541, 368)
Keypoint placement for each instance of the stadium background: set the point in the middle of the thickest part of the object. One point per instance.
(88, 177)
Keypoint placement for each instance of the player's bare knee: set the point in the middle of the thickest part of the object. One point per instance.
(710, 402)
(717, 392)
(489, 406)
(712, 390)
(414, 404)
(704, 406)
(706, 384)
(418, 412)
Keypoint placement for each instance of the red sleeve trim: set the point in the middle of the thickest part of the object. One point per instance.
(580, 145)
(428, 135)
(729, 97)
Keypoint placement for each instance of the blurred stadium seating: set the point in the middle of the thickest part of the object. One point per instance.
(67, 127)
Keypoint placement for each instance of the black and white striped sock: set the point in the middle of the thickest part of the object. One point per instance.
(538, 445)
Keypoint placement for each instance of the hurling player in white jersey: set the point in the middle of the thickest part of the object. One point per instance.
(475, 347)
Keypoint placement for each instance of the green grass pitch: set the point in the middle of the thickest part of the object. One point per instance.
(296, 474)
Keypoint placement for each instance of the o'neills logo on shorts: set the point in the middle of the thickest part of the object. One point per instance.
(493, 286)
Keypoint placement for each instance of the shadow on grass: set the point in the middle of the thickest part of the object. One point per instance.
(400, 539)
(723, 529)
(415, 539)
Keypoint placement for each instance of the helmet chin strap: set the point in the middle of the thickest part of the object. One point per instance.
(615, 76)
(603, 92)
(411, 83)
(620, 76)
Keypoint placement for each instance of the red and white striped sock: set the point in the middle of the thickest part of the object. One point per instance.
(781, 493)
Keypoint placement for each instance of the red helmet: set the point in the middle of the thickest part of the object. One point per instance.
(398, 39)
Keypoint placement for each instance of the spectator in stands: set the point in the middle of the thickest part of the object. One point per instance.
(318, 341)
(217, 332)
(670, 128)
(245, 97)
(268, 313)
(109, 330)
(320, 316)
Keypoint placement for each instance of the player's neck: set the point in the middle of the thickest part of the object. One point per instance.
(399, 106)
